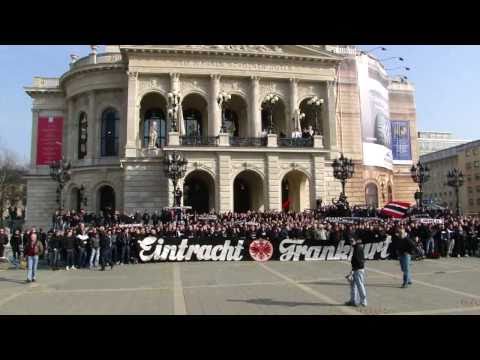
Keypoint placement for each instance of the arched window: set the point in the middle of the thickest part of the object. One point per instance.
(265, 120)
(154, 124)
(193, 122)
(82, 136)
(231, 122)
(110, 121)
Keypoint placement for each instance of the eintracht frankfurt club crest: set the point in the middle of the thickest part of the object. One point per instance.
(261, 250)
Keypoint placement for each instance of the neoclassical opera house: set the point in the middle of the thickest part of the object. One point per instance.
(113, 110)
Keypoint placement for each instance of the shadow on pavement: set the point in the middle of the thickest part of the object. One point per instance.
(346, 284)
(281, 303)
(2, 279)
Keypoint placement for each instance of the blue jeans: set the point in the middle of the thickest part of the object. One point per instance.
(430, 246)
(358, 293)
(405, 266)
(70, 257)
(32, 267)
(82, 257)
(126, 254)
(94, 257)
(54, 258)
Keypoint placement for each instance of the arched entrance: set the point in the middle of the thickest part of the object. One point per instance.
(199, 191)
(153, 121)
(248, 192)
(295, 191)
(371, 195)
(106, 199)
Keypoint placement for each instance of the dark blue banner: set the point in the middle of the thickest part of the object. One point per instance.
(401, 142)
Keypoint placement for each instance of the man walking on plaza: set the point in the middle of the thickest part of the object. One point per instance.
(69, 244)
(33, 250)
(406, 248)
(358, 293)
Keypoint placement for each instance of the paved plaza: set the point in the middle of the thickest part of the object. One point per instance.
(444, 286)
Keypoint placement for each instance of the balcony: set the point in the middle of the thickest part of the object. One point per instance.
(248, 141)
(295, 142)
(105, 58)
(198, 141)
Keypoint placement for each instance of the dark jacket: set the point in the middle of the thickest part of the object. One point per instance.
(69, 242)
(105, 241)
(16, 242)
(3, 239)
(55, 242)
(33, 249)
(358, 257)
(95, 241)
(406, 246)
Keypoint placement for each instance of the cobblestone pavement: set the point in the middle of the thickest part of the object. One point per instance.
(444, 286)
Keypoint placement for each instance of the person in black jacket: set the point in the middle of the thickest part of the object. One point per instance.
(405, 248)
(54, 249)
(16, 244)
(69, 246)
(106, 250)
(358, 293)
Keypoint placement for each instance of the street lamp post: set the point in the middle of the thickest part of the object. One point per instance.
(455, 179)
(269, 104)
(175, 167)
(173, 108)
(343, 169)
(223, 99)
(420, 175)
(316, 103)
(60, 172)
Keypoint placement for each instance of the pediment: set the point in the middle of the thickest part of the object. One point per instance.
(289, 51)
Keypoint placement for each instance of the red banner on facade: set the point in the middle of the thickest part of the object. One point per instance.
(49, 140)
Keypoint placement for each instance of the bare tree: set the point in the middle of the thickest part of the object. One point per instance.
(12, 184)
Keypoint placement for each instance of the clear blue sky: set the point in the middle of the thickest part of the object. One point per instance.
(445, 78)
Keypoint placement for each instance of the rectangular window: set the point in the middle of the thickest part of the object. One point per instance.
(476, 164)
(478, 188)
(477, 176)
(470, 202)
(469, 178)
(470, 190)
(467, 153)
(468, 165)
(478, 201)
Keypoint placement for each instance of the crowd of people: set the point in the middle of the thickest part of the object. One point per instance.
(81, 240)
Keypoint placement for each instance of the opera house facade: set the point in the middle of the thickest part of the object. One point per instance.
(110, 116)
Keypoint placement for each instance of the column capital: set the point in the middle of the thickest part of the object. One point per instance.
(293, 81)
(175, 76)
(215, 76)
(255, 78)
(331, 84)
(132, 75)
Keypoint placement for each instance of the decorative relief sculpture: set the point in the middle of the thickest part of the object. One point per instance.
(252, 48)
(153, 134)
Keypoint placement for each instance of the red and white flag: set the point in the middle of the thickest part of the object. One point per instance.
(396, 209)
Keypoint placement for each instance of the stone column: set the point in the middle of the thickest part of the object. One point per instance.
(93, 136)
(214, 112)
(224, 186)
(293, 104)
(132, 115)
(329, 118)
(33, 149)
(274, 190)
(255, 112)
